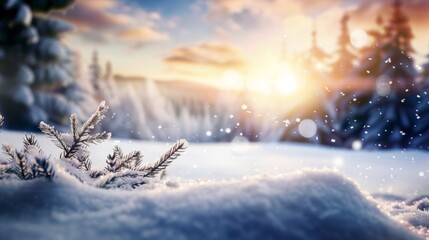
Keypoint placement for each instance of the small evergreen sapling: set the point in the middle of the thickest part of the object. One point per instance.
(122, 171)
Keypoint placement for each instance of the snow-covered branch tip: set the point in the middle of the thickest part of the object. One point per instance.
(1, 120)
(122, 170)
(79, 138)
(117, 161)
(28, 163)
(173, 153)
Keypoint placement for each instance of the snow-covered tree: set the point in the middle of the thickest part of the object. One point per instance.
(386, 116)
(36, 69)
(95, 73)
(345, 58)
(421, 135)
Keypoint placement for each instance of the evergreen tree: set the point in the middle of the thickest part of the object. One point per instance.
(36, 69)
(316, 60)
(320, 108)
(95, 72)
(421, 135)
(109, 85)
(386, 118)
(345, 58)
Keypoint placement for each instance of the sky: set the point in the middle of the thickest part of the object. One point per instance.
(219, 41)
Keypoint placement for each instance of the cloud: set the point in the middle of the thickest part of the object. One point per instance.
(88, 15)
(141, 35)
(270, 9)
(205, 59)
(106, 19)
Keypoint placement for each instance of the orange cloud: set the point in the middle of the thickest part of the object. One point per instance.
(109, 18)
(205, 60)
(88, 15)
(141, 35)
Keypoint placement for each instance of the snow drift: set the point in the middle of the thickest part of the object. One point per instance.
(303, 205)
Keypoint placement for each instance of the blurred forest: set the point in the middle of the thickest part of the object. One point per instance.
(373, 97)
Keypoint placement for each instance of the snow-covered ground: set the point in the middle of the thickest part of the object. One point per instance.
(403, 173)
(230, 191)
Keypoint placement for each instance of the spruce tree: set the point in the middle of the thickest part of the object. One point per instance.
(421, 134)
(95, 72)
(317, 58)
(320, 109)
(36, 69)
(345, 57)
(385, 118)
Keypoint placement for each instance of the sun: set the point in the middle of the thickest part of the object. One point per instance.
(287, 82)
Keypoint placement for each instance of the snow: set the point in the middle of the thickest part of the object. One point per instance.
(303, 205)
(239, 190)
(394, 172)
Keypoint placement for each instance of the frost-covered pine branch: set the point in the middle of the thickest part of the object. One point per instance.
(79, 138)
(173, 153)
(122, 170)
(1, 120)
(118, 161)
(29, 163)
(126, 172)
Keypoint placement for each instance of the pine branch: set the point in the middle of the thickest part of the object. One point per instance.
(95, 118)
(96, 173)
(74, 126)
(117, 161)
(173, 153)
(84, 163)
(132, 160)
(30, 141)
(117, 151)
(54, 135)
(98, 138)
(45, 168)
(22, 169)
(111, 162)
(126, 179)
(18, 164)
(9, 151)
(84, 138)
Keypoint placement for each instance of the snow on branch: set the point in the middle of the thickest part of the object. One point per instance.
(80, 138)
(118, 161)
(122, 170)
(28, 163)
(173, 153)
(1, 120)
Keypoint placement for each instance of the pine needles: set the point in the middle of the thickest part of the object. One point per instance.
(125, 171)
(28, 163)
(121, 171)
(80, 137)
(172, 154)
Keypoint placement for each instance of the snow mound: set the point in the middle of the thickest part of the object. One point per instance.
(303, 205)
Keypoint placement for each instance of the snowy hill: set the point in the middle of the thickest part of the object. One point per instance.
(310, 205)
(229, 191)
